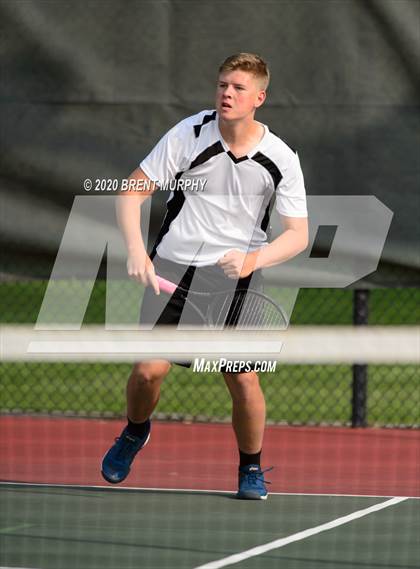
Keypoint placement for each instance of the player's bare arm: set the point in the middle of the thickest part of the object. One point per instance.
(128, 205)
(290, 243)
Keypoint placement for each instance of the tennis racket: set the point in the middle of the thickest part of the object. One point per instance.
(240, 308)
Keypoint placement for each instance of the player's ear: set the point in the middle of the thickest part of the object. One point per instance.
(261, 96)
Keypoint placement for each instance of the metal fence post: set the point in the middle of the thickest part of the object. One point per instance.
(360, 370)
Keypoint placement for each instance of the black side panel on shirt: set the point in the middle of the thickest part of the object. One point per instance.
(174, 206)
(266, 219)
(276, 176)
(206, 119)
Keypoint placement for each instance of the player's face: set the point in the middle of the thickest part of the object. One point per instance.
(238, 95)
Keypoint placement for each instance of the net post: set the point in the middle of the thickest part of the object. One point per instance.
(360, 370)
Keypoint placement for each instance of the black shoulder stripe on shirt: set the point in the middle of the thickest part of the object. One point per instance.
(174, 207)
(206, 119)
(270, 166)
(291, 147)
(208, 153)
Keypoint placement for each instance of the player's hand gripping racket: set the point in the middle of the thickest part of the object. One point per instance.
(240, 308)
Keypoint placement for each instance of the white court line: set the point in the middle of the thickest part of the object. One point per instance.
(197, 490)
(259, 550)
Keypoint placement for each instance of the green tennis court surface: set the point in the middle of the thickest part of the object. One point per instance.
(53, 527)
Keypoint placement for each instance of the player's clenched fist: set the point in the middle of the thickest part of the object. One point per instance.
(236, 264)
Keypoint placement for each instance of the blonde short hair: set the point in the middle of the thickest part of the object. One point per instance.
(249, 62)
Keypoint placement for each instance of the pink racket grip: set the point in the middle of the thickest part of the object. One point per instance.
(166, 286)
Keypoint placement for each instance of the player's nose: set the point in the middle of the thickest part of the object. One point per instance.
(227, 91)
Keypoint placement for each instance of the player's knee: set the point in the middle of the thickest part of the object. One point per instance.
(242, 382)
(150, 372)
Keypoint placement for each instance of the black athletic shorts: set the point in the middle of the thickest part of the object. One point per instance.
(159, 310)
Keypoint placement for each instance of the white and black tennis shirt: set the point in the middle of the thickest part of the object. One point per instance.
(232, 210)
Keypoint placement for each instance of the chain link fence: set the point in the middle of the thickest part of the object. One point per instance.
(295, 394)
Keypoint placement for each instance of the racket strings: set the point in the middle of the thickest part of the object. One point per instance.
(253, 313)
(244, 309)
(253, 310)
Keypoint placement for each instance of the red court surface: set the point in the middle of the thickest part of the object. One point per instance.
(320, 460)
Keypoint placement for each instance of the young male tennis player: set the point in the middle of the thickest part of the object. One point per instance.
(212, 239)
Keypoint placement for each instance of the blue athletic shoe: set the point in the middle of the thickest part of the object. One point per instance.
(117, 461)
(252, 483)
